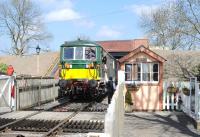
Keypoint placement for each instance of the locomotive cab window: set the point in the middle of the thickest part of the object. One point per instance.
(90, 53)
(68, 53)
(79, 53)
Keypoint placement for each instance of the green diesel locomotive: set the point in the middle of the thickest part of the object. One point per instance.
(85, 68)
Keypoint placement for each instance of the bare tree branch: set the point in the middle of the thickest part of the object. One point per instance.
(175, 25)
(21, 20)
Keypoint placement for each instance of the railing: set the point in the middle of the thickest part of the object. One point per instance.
(53, 67)
(32, 91)
(114, 118)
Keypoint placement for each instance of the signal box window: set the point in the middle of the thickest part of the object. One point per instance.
(146, 71)
(155, 72)
(132, 72)
(128, 70)
(142, 72)
(90, 53)
(68, 53)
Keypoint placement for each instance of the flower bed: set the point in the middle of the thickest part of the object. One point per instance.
(186, 91)
(172, 89)
(132, 87)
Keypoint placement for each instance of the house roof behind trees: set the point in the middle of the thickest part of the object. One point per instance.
(142, 49)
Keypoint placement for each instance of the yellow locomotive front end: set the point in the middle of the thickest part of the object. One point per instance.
(80, 71)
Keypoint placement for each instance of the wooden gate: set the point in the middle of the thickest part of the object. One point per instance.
(191, 102)
(7, 93)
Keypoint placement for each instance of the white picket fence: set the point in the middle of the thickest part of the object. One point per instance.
(171, 100)
(179, 101)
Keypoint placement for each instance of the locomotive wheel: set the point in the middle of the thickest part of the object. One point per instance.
(61, 93)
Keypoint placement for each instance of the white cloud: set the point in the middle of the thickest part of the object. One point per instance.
(62, 15)
(63, 10)
(108, 32)
(140, 9)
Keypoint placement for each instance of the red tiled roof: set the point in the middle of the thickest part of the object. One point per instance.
(123, 45)
(144, 50)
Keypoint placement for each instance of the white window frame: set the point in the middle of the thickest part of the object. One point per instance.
(74, 48)
(141, 73)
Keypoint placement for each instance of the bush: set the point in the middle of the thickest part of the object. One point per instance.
(3, 67)
(128, 98)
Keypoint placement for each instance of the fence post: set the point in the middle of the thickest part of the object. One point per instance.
(39, 91)
(17, 96)
(197, 101)
(54, 90)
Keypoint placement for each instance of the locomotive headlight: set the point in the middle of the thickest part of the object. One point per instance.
(98, 66)
(68, 66)
(90, 65)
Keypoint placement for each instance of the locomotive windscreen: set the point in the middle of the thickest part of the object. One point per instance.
(68, 53)
(90, 53)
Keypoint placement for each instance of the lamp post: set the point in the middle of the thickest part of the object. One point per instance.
(38, 49)
(38, 59)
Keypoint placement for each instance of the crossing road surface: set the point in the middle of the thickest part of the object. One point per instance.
(158, 124)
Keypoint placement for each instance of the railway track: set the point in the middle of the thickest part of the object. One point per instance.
(95, 107)
(72, 126)
(53, 127)
(9, 123)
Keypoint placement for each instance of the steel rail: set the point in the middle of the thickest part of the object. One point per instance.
(65, 120)
(30, 115)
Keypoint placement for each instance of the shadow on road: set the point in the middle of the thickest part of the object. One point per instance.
(179, 121)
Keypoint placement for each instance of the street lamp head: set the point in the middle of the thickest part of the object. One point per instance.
(38, 49)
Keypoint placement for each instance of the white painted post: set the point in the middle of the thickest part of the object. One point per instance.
(172, 101)
(121, 76)
(177, 100)
(164, 95)
(168, 101)
(197, 112)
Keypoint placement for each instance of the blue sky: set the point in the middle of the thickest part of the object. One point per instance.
(94, 19)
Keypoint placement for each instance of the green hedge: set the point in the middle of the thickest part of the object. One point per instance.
(128, 98)
(3, 67)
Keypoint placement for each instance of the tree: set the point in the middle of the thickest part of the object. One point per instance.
(175, 25)
(21, 21)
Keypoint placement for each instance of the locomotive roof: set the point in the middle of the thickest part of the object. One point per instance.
(80, 43)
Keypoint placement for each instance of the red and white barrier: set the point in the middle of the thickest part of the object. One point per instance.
(7, 93)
